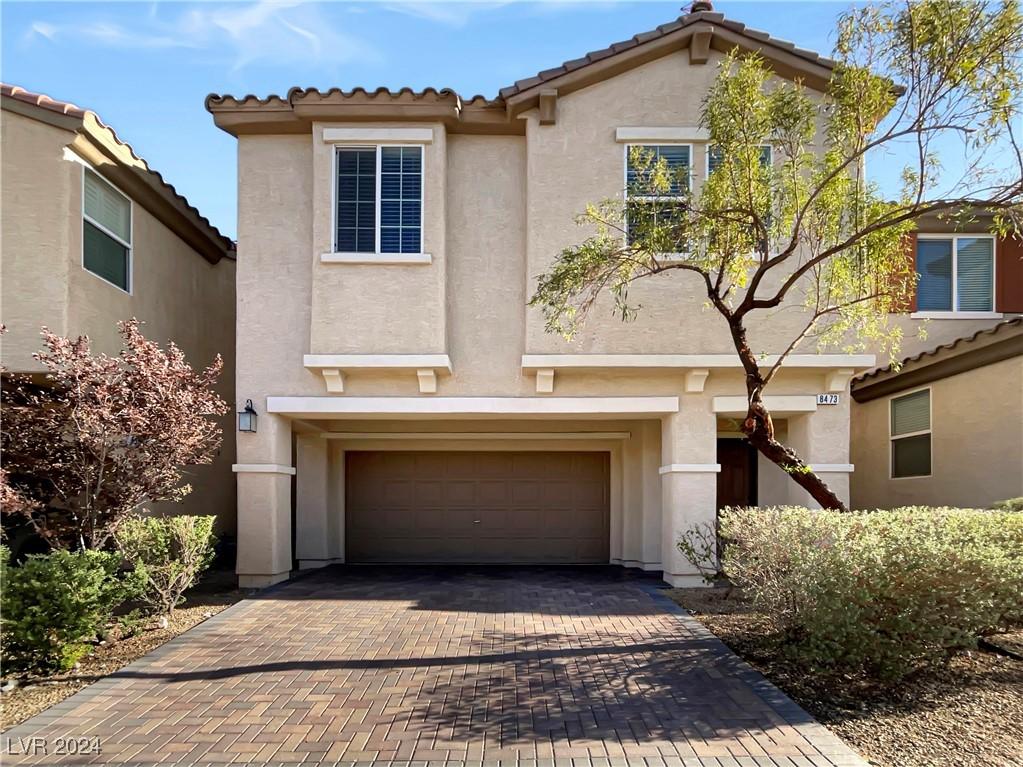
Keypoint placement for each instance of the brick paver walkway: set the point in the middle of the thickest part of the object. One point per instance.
(441, 667)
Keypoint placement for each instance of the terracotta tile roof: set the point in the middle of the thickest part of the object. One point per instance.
(1001, 327)
(662, 31)
(383, 94)
(43, 101)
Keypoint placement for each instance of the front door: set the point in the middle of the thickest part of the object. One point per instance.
(737, 480)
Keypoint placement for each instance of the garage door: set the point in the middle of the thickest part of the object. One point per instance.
(494, 507)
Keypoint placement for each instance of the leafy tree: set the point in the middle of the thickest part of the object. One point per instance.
(803, 225)
(104, 435)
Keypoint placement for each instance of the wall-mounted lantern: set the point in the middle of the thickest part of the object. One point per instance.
(247, 418)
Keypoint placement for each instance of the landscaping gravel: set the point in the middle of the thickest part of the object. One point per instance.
(24, 698)
(968, 713)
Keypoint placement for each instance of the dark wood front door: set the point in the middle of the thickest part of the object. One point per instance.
(737, 480)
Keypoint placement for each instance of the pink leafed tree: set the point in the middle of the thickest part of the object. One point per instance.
(103, 436)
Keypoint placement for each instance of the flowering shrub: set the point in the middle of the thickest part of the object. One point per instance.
(884, 592)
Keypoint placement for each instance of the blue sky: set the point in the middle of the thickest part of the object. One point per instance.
(146, 67)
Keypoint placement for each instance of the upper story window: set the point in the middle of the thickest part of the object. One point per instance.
(379, 206)
(646, 207)
(956, 273)
(911, 435)
(714, 157)
(106, 231)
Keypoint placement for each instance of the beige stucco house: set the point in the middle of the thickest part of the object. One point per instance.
(945, 428)
(412, 408)
(90, 235)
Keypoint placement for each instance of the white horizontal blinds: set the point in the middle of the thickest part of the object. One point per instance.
(356, 200)
(975, 274)
(911, 413)
(107, 207)
(106, 231)
(714, 157)
(934, 269)
(657, 205)
(401, 199)
(675, 156)
(911, 438)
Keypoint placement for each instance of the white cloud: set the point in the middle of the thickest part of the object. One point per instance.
(452, 14)
(267, 32)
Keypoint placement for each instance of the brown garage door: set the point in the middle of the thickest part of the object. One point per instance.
(498, 507)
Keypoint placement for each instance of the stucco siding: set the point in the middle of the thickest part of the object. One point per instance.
(175, 292)
(976, 443)
(36, 189)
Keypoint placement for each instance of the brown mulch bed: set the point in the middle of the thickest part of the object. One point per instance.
(34, 694)
(966, 714)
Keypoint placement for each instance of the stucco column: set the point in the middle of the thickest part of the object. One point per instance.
(264, 473)
(688, 482)
(312, 502)
(822, 440)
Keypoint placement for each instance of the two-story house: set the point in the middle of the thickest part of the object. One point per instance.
(411, 406)
(92, 235)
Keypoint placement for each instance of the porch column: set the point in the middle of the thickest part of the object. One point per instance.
(688, 482)
(312, 502)
(264, 473)
(822, 440)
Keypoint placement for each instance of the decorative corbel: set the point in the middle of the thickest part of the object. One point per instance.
(427, 380)
(548, 106)
(837, 380)
(334, 379)
(695, 380)
(545, 381)
(699, 46)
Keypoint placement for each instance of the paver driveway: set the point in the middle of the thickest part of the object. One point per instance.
(525, 667)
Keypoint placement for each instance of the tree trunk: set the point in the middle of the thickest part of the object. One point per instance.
(759, 427)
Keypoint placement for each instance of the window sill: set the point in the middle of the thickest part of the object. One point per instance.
(956, 315)
(376, 258)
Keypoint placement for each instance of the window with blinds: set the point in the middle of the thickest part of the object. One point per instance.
(911, 435)
(714, 157)
(106, 235)
(956, 273)
(379, 199)
(648, 209)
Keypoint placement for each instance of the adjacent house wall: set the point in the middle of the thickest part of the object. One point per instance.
(976, 443)
(178, 294)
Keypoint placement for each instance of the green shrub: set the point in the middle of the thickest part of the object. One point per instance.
(882, 592)
(1009, 504)
(55, 604)
(168, 554)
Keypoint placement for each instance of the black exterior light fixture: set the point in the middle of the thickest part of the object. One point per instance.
(247, 418)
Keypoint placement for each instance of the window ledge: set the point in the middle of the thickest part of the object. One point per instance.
(376, 258)
(956, 315)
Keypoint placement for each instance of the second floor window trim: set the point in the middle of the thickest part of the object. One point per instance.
(656, 147)
(954, 307)
(402, 202)
(114, 197)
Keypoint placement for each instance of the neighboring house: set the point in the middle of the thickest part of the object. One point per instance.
(91, 235)
(946, 428)
(411, 406)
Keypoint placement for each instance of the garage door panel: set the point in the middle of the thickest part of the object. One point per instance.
(435, 506)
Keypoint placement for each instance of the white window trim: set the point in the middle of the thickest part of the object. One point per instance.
(376, 257)
(666, 257)
(929, 430)
(131, 230)
(954, 313)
